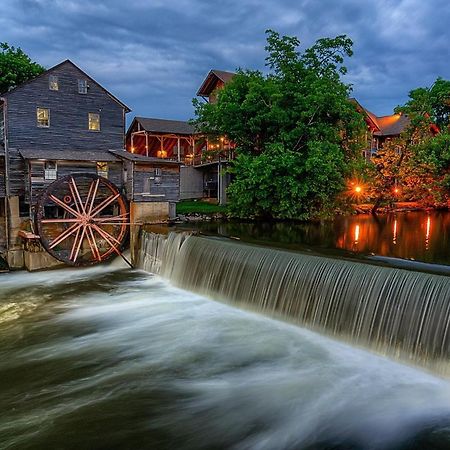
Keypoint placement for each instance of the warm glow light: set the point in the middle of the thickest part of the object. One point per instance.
(396, 190)
(394, 239)
(132, 149)
(356, 234)
(358, 189)
(427, 235)
(161, 154)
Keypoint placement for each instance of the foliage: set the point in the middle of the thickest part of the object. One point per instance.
(294, 129)
(15, 67)
(418, 162)
(193, 207)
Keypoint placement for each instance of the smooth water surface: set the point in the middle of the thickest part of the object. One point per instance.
(106, 358)
(417, 235)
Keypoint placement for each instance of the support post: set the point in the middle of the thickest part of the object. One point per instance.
(178, 149)
(146, 144)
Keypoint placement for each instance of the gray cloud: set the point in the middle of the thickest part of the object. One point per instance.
(153, 54)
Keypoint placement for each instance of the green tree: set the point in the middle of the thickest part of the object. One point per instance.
(294, 129)
(15, 67)
(417, 164)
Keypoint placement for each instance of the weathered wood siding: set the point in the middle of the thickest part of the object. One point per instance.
(69, 110)
(2, 177)
(16, 173)
(35, 175)
(146, 188)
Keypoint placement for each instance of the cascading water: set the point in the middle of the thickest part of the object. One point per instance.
(401, 312)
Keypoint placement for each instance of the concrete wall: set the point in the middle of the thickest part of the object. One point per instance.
(149, 212)
(191, 183)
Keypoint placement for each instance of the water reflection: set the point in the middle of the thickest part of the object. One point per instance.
(418, 235)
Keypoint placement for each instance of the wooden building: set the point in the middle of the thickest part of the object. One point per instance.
(177, 141)
(214, 81)
(59, 123)
(380, 128)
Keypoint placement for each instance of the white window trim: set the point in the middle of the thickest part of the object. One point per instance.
(55, 80)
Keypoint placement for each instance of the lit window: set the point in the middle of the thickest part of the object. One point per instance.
(53, 83)
(82, 86)
(94, 122)
(43, 117)
(102, 169)
(50, 170)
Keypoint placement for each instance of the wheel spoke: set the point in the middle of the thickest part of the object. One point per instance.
(60, 220)
(63, 205)
(80, 241)
(93, 196)
(75, 195)
(92, 243)
(65, 234)
(107, 237)
(111, 218)
(75, 243)
(104, 204)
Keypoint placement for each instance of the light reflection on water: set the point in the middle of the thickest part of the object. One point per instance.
(418, 235)
(118, 359)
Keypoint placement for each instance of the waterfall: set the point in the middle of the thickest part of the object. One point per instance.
(394, 311)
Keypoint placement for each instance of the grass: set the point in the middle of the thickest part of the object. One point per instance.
(200, 207)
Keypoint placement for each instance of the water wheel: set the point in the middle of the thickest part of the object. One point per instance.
(82, 219)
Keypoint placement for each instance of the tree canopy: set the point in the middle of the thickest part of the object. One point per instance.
(15, 67)
(295, 130)
(416, 165)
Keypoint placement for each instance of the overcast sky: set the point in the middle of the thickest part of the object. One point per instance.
(154, 54)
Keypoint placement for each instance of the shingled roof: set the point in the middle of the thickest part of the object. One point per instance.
(165, 126)
(392, 125)
(210, 82)
(68, 155)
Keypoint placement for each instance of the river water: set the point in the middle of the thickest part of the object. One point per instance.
(109, 358)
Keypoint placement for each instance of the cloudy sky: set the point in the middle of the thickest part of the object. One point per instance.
(153, 54)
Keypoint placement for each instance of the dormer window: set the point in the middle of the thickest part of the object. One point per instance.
(53, 83)
(94, 121)
(82, 86)
(43, 117)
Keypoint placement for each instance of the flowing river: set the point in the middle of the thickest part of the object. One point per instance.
(109, 358)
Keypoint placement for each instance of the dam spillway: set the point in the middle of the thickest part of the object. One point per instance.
(399, 312)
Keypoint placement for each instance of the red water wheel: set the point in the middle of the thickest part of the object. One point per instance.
(82, 219)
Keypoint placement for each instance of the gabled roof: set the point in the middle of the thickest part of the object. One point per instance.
(164, 126)
(68, 155)
(210, 82)
(67, 61)
(392, 125)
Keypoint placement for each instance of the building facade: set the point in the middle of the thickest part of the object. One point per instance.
(60, 123)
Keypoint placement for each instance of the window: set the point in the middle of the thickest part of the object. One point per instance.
(102, 169)
(43, 117)
(94, 122)
(53, 83)
(158, 174)
(50, 170)
(82, 86)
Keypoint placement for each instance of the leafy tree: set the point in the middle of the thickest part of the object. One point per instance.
(419, 160)
(15, 67)
(294, 129)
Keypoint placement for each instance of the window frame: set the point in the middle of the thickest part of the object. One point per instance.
(53, 83)
(102, 173)
(83, 86)
(89, 122)
(52, 171)
(39, 124)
